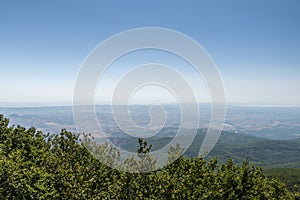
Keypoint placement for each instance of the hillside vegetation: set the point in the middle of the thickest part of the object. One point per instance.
(290, 176)
(34, 165)
(259, 151)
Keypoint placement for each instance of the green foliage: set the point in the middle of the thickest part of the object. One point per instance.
(34, 165)
(289, 176)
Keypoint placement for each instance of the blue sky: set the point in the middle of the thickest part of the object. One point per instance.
(255, 44)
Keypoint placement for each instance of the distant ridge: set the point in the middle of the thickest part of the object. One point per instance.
(262, 152)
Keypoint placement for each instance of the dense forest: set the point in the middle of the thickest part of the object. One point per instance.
(35, 165)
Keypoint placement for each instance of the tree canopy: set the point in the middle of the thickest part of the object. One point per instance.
(35, 165)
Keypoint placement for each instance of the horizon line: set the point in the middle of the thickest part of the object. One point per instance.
(68, 104)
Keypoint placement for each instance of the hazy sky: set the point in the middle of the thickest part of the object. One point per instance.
(255, 44)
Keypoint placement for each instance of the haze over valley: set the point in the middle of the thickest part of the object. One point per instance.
(280, 123)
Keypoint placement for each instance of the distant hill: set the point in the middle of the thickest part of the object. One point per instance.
(262, 152)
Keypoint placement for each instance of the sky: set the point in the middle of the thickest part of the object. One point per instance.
(255, 45)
